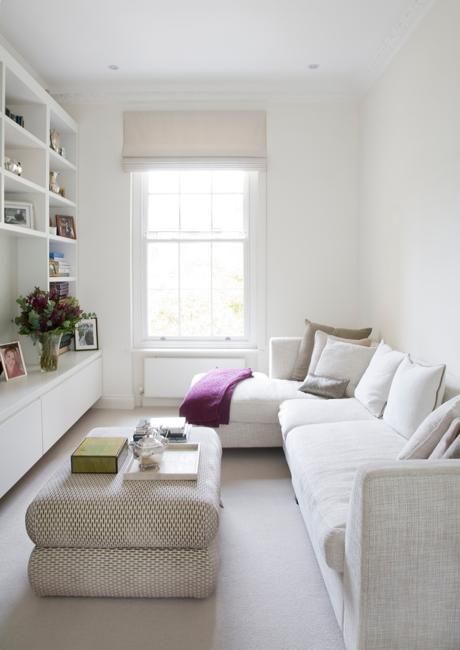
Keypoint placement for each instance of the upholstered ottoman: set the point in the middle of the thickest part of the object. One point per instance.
(98, 535)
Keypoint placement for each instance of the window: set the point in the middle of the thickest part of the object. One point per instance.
(194, 256)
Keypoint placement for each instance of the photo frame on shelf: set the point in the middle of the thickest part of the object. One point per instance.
(65, 226)
(12, 360)
(19, 213)
(86, 335)
(66, 341)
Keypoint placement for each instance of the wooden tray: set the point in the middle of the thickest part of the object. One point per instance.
(179, 463)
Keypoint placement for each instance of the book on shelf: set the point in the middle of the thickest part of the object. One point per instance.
(59, 268)
(62, 289)
(55, 255)
(98, 455)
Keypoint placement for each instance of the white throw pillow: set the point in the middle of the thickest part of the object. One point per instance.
(431, 431)
(414, 393)
(321, 339)
(344, 361)
(374, 386)
(445, 446)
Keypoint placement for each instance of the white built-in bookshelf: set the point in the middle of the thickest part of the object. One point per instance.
(29, 248)
(37, 409)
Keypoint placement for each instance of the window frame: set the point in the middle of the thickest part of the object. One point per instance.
(254, 287)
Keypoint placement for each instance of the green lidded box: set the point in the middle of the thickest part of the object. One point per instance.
(99, 456)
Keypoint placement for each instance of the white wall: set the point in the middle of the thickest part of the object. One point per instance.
(311, 224)
(410, 194)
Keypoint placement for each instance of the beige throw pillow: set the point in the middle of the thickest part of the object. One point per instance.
(306, 347)
(321, 338)
(428, 435)
(344, 361)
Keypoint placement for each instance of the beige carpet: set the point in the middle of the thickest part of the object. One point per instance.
(270, 595)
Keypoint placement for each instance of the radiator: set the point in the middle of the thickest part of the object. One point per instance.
(170, 377)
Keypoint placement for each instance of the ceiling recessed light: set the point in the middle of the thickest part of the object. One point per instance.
(313, 66)
(113, 66)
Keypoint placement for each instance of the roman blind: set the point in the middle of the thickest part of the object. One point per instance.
(191, 139)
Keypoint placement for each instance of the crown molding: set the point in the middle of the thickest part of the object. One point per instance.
(217, 93)
(394, 41)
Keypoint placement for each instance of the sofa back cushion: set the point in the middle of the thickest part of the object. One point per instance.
(321, 338)
(374, 386)
(306, 347)
(341, 360)
(414, 393)
(431, 431)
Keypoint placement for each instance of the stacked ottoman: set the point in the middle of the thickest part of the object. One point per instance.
(97, 535)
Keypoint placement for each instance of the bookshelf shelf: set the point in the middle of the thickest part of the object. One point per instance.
(20, 138)
(63, 240)
(62, 278)
(55, 200)
(19, 185)
(19, 231)
(58, 163)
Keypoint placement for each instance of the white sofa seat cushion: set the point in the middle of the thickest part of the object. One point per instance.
(297, 412)
(324, 459)
(258, 399)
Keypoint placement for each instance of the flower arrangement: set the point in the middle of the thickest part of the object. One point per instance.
(45, 317)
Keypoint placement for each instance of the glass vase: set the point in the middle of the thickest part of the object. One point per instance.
(49, 351)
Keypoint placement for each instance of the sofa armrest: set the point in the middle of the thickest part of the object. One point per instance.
(282, 356)
(402, 557)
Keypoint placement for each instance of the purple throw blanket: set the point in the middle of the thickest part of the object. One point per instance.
(207, 402)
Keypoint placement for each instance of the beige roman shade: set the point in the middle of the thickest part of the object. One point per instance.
(227, 139)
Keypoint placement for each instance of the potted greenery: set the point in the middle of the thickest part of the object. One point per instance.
(45, 317)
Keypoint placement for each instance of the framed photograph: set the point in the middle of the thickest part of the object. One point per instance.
(86, 337)
(65, 226)
(18, 213)
(12, 360)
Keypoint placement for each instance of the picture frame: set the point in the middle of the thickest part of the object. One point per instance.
(86, 335)
(18, 213)
(65, 226)
(12, 360)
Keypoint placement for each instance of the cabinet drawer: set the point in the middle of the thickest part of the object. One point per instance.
(66, 403)
(20, 444)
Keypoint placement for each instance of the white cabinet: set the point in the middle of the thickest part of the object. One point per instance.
(65, 404)
(35, 411)
(20, 444)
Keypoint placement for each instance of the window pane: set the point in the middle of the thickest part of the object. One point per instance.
(228, 312)
(195, 212)
(228, 289)
(163, 212)
(163, 182)
(162, 290)
(228, 265)
(228, 212)
(195, 182)
(228, 182)
(195, 292)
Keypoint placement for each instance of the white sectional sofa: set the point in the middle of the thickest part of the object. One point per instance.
(386, 532)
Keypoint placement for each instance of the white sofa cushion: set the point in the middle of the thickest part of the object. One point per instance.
(324, 459)
(258, 399)
(414, 393)
(374, 386)
(344, 361)
(297, 412)
(430, 432)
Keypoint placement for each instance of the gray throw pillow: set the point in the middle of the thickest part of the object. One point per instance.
(324, 386)
(306, 347)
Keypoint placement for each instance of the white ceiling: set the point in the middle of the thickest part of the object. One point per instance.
(234, 43)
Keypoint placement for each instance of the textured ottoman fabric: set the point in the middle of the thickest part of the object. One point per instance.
(140, 538)
(124, 573)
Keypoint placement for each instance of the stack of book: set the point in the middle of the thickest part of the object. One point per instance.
(174, 429)
(62, 289)
(59, 267)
